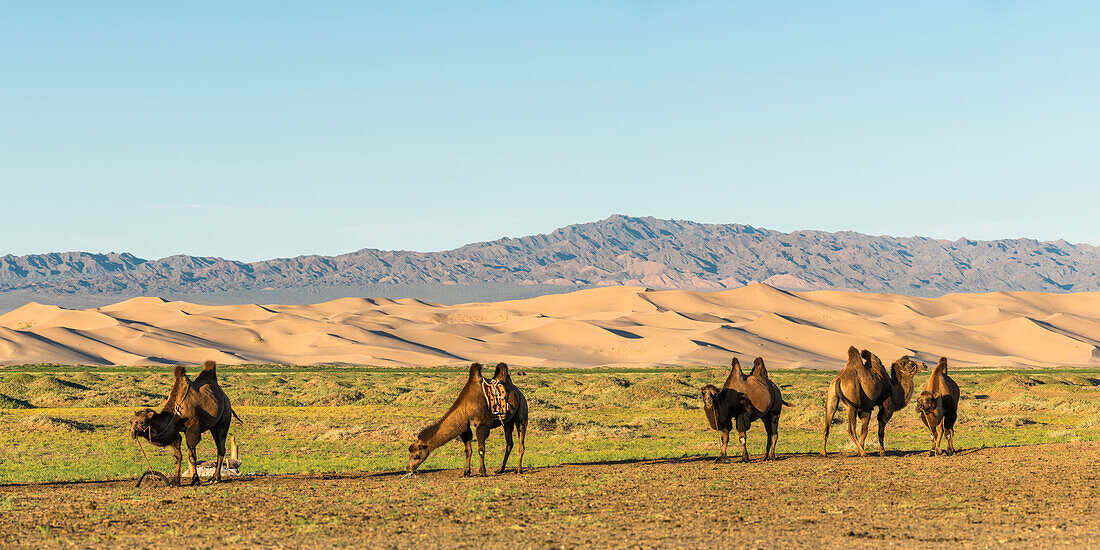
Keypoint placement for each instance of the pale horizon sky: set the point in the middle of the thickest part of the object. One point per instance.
(260, 130)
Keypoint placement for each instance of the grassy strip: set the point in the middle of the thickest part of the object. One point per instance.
(72, 425)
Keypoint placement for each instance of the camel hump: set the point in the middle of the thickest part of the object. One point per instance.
(854, 357)
(475, 370)
(853, 353)
(872, 361)
(866, 355)
(758, 368)
(209, 373)
(179, 388)
(501, 372)
(941, 368)
(735, 373)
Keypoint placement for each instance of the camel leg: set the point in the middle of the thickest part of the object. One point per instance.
(723, 458)
(771, 425)
(482, 435)
(852, 414)
(884, 416)
(220, 432)
(949, 428)
(466, 437)
(939, 438)
(507, 445)
(744, 446)
(179, 459)
(522, 428)
(935, 442)
(192, 442)
(865, 418)
(831, 401)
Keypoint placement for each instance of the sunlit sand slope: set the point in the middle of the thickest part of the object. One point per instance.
(605, 326)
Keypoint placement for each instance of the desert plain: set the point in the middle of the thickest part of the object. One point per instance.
(619, 452)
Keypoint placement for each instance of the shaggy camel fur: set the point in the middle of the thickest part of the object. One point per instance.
(862, 385)
(938, 406)
(470, 416)
(192, 408)
(742, 400)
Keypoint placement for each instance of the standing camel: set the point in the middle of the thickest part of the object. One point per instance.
(741, 400)
(193, 407)
(862, 385)
(938, 406)
(470, 415)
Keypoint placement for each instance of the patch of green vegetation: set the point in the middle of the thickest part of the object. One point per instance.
(309, 420)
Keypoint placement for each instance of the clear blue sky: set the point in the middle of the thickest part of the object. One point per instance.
(273, 129)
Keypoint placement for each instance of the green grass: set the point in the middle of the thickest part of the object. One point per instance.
(70, 423)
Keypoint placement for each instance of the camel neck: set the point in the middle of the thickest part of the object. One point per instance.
(448, 428)
(165, 431)
(906, 383)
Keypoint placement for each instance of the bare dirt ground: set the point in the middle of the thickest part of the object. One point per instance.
(1034, 496)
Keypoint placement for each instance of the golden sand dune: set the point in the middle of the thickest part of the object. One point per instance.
(605, 326)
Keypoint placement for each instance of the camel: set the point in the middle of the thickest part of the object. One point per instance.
(742, 400)
(192, 408)
(470, 415)
(862, 385)
(938, 406)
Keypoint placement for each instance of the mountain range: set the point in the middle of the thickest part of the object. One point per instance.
(619, 250)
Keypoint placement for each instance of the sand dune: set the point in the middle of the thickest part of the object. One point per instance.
(605, 326)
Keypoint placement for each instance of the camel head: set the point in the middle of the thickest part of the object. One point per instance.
(418, 453)
(720, 405)
(709, 393)
(149, 424)
(907, 367)
(926, 402)
(139, 424)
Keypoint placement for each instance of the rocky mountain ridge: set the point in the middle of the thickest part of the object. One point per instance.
(620, 250)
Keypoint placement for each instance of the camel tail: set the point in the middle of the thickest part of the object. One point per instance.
(786, 404)
(234, 413)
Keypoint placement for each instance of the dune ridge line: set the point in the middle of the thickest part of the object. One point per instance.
(615, 326)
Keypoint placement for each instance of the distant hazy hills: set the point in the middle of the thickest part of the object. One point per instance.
(619, 250)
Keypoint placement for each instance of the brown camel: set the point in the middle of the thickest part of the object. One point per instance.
(742, 400)
(470, 415)
(862, 385)
(938, 406)
(192, 408)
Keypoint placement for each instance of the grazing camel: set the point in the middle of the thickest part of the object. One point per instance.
(862, 385)
(192, 408)
(741, 400)
(470, 415)
(938, 406)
